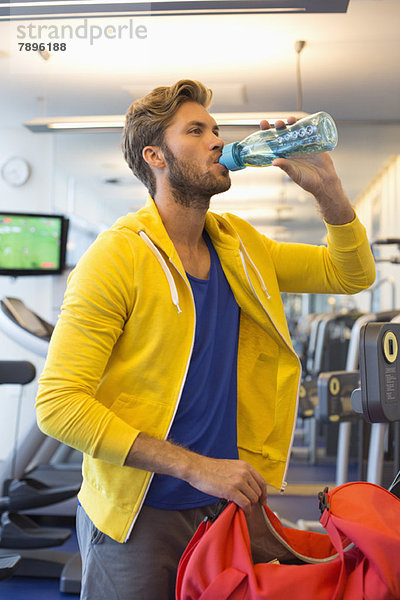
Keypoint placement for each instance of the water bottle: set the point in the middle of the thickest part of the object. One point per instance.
(314, 133)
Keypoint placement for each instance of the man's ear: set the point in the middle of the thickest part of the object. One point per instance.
(154, 156)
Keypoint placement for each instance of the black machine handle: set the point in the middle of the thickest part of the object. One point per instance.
(18, 372)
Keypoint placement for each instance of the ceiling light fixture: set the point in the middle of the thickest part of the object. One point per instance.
(51, 9)
(115, 123)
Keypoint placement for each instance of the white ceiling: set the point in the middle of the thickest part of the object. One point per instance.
(350, 68)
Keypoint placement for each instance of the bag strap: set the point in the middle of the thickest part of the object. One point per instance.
(336, 540)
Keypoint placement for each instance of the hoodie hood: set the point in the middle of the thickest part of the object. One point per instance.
(148, 219)
(147, 223)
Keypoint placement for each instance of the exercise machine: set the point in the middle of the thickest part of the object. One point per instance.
(19, 532)
(378, 398)
(37, 455)
(328, 350)
(8, 564)
(334, 396)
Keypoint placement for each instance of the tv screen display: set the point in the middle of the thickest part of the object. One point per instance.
(32, 244)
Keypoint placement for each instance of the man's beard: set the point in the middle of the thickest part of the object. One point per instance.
(189, 187)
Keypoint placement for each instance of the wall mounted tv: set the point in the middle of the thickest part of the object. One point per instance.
(32, 243)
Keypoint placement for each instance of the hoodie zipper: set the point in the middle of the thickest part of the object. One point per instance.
(243, 252)
(165, 268)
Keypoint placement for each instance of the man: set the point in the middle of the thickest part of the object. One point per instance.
(171, 366)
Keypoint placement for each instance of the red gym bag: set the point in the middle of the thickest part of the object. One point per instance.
(358, 559)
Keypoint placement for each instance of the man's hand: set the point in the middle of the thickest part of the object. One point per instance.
(315, 173)
(233, 480)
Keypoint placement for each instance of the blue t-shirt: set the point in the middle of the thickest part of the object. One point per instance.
(205, 421)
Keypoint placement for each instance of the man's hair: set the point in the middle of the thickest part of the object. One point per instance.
(148, 118)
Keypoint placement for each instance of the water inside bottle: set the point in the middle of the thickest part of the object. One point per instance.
(298, 138)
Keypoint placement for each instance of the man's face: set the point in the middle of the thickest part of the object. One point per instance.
(191, 150)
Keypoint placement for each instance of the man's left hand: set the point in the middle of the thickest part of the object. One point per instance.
(316, 174)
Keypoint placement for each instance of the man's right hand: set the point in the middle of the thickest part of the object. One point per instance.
(234, 480)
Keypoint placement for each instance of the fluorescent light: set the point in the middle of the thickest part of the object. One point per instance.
(116, 122)
(88, 2)
(51, 9)
(129, 12)
(86, 123)
(249, 119)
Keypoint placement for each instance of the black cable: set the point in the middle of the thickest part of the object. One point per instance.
(299, 84)
(16, 434)
(299, 45)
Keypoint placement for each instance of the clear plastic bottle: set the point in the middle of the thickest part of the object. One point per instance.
(314, 133)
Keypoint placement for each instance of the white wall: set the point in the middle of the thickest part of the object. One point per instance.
(379, 209)
(36, 292)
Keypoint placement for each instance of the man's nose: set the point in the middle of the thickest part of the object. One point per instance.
(216, 142)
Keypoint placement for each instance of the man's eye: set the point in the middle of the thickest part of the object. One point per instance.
(195, 130)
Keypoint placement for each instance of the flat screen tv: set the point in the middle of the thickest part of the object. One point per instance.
(32, 243)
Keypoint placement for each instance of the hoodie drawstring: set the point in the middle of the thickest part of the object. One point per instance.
(245, 256)
(174, 292)
(165, 268)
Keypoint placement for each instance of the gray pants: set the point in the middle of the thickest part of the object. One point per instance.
(144, 568)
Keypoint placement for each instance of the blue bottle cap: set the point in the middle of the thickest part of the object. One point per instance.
(228, 158)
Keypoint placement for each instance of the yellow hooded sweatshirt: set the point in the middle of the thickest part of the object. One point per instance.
(120, 352)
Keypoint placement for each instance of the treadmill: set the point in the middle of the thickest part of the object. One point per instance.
(53, 486)
(37, 455)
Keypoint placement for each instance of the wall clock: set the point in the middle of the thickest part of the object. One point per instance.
(16, 171)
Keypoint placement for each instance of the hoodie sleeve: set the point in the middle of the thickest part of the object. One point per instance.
(344, 266)
(97, 302)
